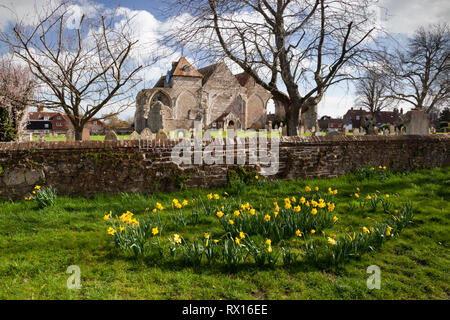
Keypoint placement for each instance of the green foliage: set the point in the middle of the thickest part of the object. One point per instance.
(7, 130)
(380, 173)
(45, 196)
(239, 179)
(38, 247)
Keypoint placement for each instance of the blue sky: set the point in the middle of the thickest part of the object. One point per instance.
(400, 17)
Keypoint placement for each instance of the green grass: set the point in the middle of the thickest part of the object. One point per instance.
(63, 138)
(37, 246)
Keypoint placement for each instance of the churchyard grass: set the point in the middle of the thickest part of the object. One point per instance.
(37, 246)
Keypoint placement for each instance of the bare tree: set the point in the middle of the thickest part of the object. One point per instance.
(83, 63)
(17, 90)
(295, 49)
(372, 90)
(421, 73)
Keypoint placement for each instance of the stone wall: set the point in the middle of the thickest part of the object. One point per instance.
(110, 167)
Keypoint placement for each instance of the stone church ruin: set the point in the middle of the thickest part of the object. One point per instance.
(212, 95)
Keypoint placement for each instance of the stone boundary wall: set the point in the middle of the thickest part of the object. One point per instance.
(111, 167)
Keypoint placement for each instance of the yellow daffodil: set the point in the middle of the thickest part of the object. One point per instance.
(314, 211)
(298, 233)
(356, 195)
(219, 214)
(154, 210)
(307, 189)
(121, 229)
(215, 240)
(176, 238)
(256, 177)
(185, 203)
(368, 197)
(111, 230)
(155, 231)
(206, 235)
(236, 213)
(316, 188)
(331, 241)
(252, 212)
(388, 232)
(267, 218)
(269, 249)
(216, 196)
(242, 235)
(313, 231)
(365, 230)
(294, 199)
(297, 209)
(372, 169)
(287, 205)
(238, 241)
(275, 214)
(159, 206)
(178, 205)
(302, 200)
(335, 219)
(209, 196)
(268, 242)
(37, 187)
(387, 196)
(231, 222)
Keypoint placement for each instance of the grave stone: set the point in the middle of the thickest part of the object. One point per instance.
(356, 132)
(284, 131)
(391, 130)
(86, 134)
(416, 122)
(146, 134)
(111, 136)
(161, 135)
(134, 136)
(345, 131)
(70, 135)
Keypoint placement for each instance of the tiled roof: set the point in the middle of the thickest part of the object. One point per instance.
(184, 69)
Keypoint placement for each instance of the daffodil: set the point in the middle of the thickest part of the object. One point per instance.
(242, 235)
(307, 189)
(368, 197)
(231, 222)
(267, 218)
(365, 230)
(268, 242)
(209, 196)
(331, 241)
(111, 230)
(314, 211)
(176, 238)
(388, 232)
(216, 196)
(155, 231)
(37, 187)
(313, 231)
(256, 177)
(106, 217)
(206, 235)
(159, 206)
(236, 213)
(302, 200)
(298, 233)
(252, 212)
(269, 249)
(335, 219)
(238, 241)
(185, 203)
(297, 209)
(316, 188)
(219, 214)
(121, 229)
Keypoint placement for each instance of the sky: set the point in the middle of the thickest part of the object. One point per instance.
(399, 17)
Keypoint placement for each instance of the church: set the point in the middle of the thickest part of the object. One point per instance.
(212, 95)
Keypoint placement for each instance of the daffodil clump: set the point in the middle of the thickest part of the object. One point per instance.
(43, 196)
(301, 226)
(281, 220)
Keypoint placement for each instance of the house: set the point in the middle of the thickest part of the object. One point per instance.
(326, 123)
(352, 119)
(56, 122)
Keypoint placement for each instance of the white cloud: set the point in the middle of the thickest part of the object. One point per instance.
(405, 16)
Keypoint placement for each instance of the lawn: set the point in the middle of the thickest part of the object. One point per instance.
(63, 138)
(37, 246)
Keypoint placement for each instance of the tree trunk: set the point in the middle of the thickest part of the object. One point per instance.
(292, 115)
(78, 133)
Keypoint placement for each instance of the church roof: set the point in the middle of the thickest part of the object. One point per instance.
(184, 69)
(242, 78)
(208, 71)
